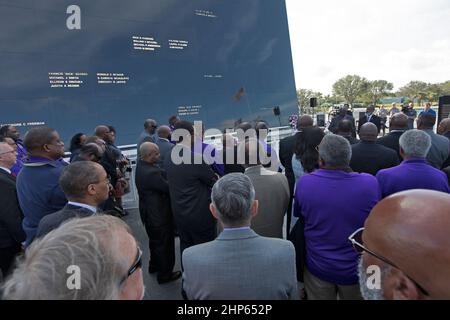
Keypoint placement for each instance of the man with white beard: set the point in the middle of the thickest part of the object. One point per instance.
(406, 248)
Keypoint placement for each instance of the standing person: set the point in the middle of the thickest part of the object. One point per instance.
(11, 132)
(38, 187)
(156, 213)
(383, 114)
(163, 143)
(440, 145)
(271, 191)
(345, 128)
(148, 134)
(414, 172)
(411, 114)
(428, 110)
(86, 186)
(369, 156)
(370, 116)
(190, 186)
(333, 202)
(239, 264)
(344, 113)
(393, 110)
(444, 130)
(11, 232)
(76, 143)
(397, 126)
(172, 121)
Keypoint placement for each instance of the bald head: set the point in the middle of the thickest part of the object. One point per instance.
(305, 121)
(102, 132)
(444, 126)
(368, 132)
(399, 121)
(163, 132)
(410, 229)
(149, 152)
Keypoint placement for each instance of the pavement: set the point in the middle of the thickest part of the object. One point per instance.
(153, 290)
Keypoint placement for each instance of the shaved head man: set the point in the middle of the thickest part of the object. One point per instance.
(149, 152)
(368, 132)
(304, 121)
(399, 121)
(164, 132)
(444, 127)
(406, 238)
(397, 126)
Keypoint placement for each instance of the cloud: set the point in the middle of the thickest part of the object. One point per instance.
(398, 41)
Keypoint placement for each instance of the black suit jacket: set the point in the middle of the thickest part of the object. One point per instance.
(376, 120)
(11, 232)
(391, 141)
(190, 192)
(370, 157)
(286, 152)
(154, 199)
(54, 220)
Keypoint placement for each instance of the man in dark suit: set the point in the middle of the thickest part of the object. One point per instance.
(156, 214)
(190, 183)
(344, 113)
(370, 116)
(163, 143)
(398, 124)
(370, 157)
(287, 151)
(86, 186)
(11, 232)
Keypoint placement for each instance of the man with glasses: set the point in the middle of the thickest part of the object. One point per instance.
(11, 232)
(86, 186)
(405, 247)
(38, 188)
(94, 258)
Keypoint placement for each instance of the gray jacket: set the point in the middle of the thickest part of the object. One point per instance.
(240, 265)
(439, 151)
(272, 192)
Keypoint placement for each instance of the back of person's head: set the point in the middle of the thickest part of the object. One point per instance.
(335, 151)
(173, 119)
(305, 148)
(368, 132)
(163, 132)
(186, 126)
(233, 199)
(76, 141)
(254, 152)
(84, 179)
(4, 130)
(83, 259)
(426, 121)
(401, 231)
(304, 121)
(345, 127)
(91, 152)
(415, 144)
(398, 121)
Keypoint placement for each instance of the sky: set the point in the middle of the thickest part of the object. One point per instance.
(394, 40)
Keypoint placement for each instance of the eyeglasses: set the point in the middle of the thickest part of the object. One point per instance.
(135, 266)
(356, 240)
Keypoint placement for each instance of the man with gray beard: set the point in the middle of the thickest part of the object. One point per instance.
(405, 247)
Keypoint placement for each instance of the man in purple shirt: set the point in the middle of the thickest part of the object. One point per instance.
(414, 172)
(333, 201)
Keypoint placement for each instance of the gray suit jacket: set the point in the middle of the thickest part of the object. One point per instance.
(240, 265)
(165, 148)
(439, 151)
(272, 192)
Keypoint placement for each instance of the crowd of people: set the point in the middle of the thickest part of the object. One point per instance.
(386, 197)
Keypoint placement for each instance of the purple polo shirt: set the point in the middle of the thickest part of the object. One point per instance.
(414, 173)
(334, 204)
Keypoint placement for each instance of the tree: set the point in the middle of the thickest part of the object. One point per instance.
(377, 90)
(303, 96)
(351, 88)
(415, 90)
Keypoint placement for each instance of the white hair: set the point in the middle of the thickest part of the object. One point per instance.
(415, 143)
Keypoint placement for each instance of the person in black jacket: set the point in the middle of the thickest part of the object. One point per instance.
(370, 157)
(370, 116)
(156, 214)
(398, 124)
(190, 184)
(86, 186)
(11, 232)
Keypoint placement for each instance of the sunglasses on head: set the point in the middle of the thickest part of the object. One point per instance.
(356, 240)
